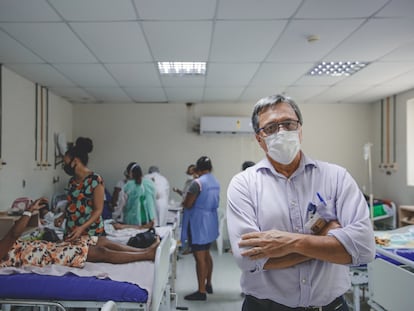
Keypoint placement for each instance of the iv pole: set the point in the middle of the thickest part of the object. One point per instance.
(367, 157)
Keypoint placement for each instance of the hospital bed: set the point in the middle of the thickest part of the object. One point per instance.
(391, 274)
(141, 286)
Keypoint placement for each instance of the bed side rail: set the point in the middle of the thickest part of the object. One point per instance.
(161, 271)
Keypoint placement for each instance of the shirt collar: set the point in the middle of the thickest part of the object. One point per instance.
(305, 162)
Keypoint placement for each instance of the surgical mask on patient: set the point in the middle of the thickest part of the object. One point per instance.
(283, 146)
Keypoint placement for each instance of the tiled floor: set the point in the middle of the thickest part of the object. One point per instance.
(226, 276)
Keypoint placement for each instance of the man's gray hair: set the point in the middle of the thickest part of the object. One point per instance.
(270, 101)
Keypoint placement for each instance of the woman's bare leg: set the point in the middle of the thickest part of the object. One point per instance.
(105, 242)
(100, 253)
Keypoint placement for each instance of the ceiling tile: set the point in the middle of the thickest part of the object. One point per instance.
(369, 95)
(43, 74)
(116, 42)
(218, 94)
(293, 45)
(405, 80)
(339, 8)
(337, 94)
(247, 41)
(279, 73)
(318, 80)
(175, 10)
(265, 9)
(12, 51)
(27, 11)
(178, 41)
(185, 94)
(72, 93)
(254, 93)
(304, 93)
(54, 42)
(230, 74)
(148, 94)
(87, 75)
(182, 81)
(377, 73)
(398, 8)
(94, 10)
(135, 74)
(375, 39)
(402, 53)
(108, 94)
(252, 48)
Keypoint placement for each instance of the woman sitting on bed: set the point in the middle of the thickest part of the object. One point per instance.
(85, 192)
(15, 252)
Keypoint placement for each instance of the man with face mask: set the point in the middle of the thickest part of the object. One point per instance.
(295, 224)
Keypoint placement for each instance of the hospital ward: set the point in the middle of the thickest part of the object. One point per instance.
(206, 155)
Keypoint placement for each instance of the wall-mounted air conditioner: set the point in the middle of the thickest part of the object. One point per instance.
(225, 125)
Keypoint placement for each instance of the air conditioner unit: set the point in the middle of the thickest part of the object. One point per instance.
(225, 125)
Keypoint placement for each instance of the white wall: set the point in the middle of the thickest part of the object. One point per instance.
(18, 142)
(160, 134)
(393, 186)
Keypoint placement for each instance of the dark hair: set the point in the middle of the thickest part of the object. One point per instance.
(82, 147)
(153, 169)
(128, 168)
(136, 173)
(270, 101)
(247, 164)
(203, 164)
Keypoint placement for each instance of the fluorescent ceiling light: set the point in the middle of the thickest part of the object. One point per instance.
(182, 68)
(336, 69)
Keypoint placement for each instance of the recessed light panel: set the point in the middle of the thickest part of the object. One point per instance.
(336, 69)
(182, 68)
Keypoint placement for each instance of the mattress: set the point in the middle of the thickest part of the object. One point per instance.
(69, 287)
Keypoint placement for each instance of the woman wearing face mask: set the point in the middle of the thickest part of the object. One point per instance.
(85, 192)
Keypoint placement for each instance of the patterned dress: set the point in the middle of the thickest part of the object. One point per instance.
(80, 205)
(42, 253)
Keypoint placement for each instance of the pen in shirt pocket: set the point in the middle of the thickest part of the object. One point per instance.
(321, 199)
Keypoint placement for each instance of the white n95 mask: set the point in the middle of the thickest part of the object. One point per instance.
(283, 146)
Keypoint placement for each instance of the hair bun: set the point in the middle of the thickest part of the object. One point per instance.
(84, 144)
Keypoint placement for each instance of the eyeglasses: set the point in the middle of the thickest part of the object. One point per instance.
(288, 125)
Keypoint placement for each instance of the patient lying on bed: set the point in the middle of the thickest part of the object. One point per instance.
(15, 252)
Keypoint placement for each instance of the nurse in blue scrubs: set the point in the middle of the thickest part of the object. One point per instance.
(203, 200)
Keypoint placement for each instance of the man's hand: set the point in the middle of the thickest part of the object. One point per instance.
(276, 243)
(268, 244)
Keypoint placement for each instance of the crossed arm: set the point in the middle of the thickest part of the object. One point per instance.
(286, 249)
